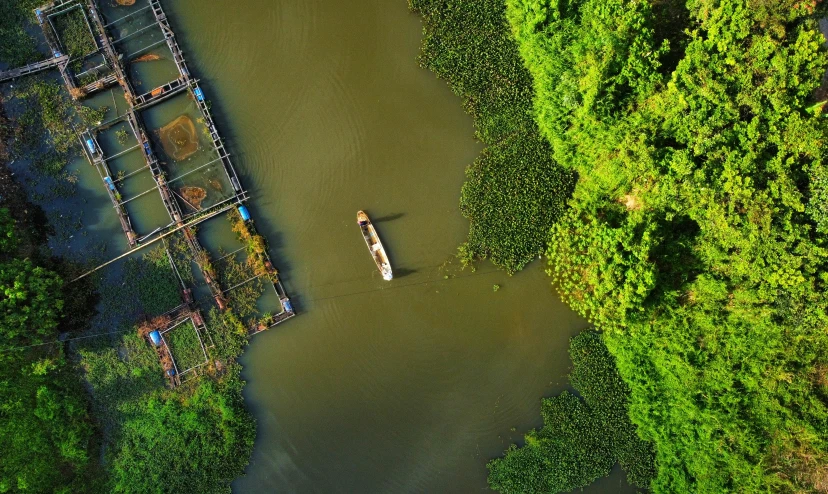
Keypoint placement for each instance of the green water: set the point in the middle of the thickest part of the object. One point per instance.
(402, 386)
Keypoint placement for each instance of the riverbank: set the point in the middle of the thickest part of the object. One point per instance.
(583, 436)
(694, 237)
(514, 191)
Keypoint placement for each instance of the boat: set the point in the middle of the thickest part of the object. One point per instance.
(375, 246)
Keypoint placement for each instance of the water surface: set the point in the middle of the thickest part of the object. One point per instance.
(402, 386)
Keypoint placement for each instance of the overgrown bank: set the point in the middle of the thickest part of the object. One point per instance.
(695, 235)
(48, 438)
(582, 438)
(514, 194)
(129, 432)
(514, 191)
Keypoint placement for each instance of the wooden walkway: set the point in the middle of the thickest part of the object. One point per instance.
(110, 53)
(99, 85)
(160, 93)
(169, 36)
(33, 68)
(54, 5)
(95, 156)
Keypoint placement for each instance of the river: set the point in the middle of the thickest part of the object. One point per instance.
(402, 386)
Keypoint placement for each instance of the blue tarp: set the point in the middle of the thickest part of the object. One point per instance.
(245, 214)
(109, 183)
(288, 307)
(91, 145)
(155, 336)
(199, 94)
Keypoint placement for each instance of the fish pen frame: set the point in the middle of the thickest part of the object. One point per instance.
(190, 318)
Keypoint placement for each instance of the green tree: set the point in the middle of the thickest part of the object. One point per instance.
(30, 305)
(694, 236)
(8, 234)
(45, 430)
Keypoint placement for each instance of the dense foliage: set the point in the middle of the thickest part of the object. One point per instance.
(580, 440)
(514, 191)
(45, 428)
(49, 110)
(695, 235)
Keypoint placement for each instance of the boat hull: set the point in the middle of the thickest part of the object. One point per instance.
(375, 247)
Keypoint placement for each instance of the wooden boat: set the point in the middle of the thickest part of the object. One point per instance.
(374, 245)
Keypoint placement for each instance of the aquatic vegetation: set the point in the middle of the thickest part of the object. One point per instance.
(247, 291)
(256, 245)
(193, 196)
(49, 111)
(148, 57)
(73, 33)
(185, 346)
(582, 438)
(122, 136)
(182, 257)
(157, 288)
(17, 47)
(514, 192)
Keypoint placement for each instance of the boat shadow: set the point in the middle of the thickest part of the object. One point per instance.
(388, 217)
(403, 272)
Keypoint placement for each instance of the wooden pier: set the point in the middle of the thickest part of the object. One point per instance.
(95, 155)
(34, 68)
(169, 36)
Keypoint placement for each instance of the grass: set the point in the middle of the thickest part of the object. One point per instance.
(157, 287)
